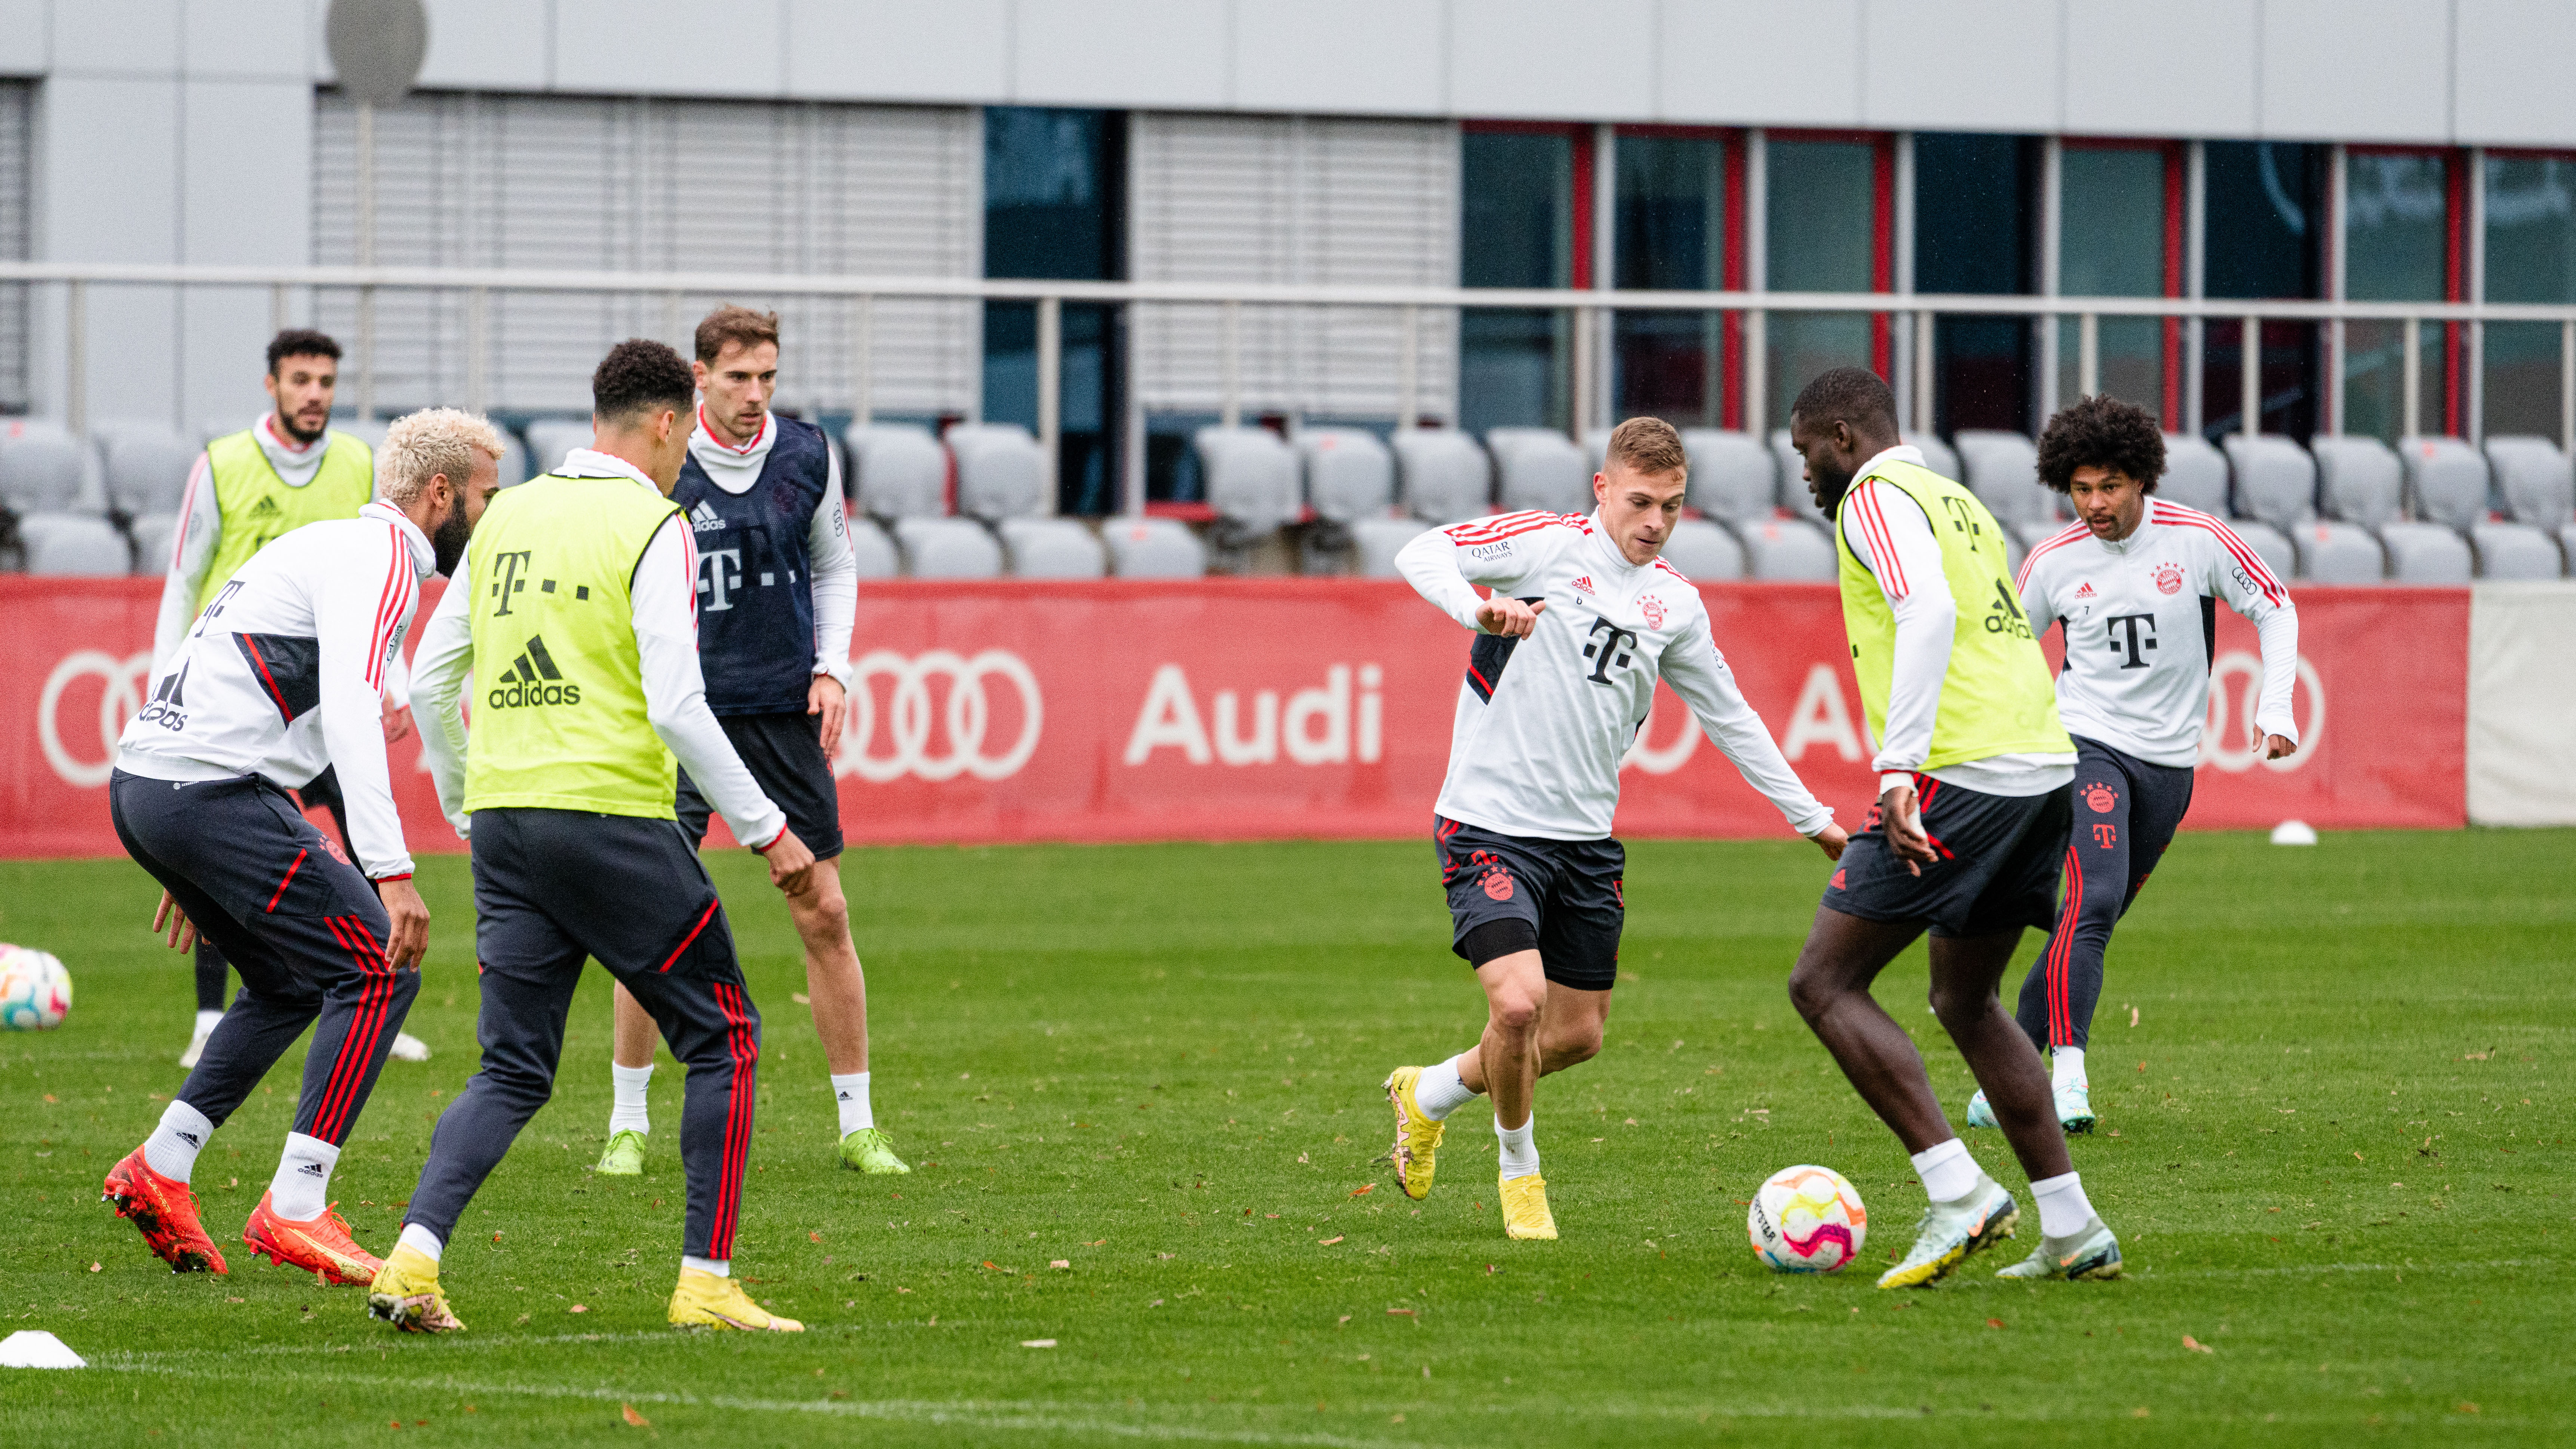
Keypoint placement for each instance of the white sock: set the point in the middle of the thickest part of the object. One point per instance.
(301, 1191)
(628, 1115)
(1947, 1171)
(2066, 1066)
(1520, 1147)
(420, 1240)
(721, 1267)
(172, 1148)
(205, 1023)
(1442, 1089)
(850, 1090)
(2063, 1208)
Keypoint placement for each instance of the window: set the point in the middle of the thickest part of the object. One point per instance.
(2400, 245)
(1524, 221)
(2120, 235)
(1055, 207)
(2530, 257)
(1680, 220)
(1827, 218)
(1975, 218)
(2262, 222)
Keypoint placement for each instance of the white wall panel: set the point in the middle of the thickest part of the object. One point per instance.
(1962, 65)
(116, 37)
(245, 197)
(107, 160)
(1757, 63)
(1121, 53)
(671, 48)
(479, 45)
(2522, 691)
(1382, 56)
(2174, 68)
(251, 39)
(2512, 73)
(1547, 58)
(26, 36)
(2356, 70)
(899, 50)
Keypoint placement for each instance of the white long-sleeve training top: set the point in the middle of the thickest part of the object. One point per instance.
(2141, 621)
(665, 609)
(1893, 539)
(1543, 721)
(284, 674)
(827, 536)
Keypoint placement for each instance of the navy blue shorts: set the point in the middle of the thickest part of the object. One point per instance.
(1996, 869)
(1570, 894)
(784, 753)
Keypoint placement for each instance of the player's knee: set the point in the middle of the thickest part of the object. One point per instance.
(1575, 1045)
(1812, 992)
(1956, 1006)
(1515, 1012)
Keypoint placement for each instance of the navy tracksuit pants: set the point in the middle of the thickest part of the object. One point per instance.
(2126, 812)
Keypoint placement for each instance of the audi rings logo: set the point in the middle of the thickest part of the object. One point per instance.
(2227, 738)
(120, 695)
(929, 737)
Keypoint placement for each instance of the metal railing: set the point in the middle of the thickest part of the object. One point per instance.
(1589, 308)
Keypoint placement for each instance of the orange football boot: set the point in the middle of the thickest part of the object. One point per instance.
(165, 1211)
(321, 1246)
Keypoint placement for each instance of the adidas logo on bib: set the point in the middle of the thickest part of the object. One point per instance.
(532, 678)
(703, 519)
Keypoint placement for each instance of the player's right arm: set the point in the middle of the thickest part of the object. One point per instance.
(363, 599)
(201, 526)
(2236, 573)
(1445, 565)
(439, 669)
(1890, 534)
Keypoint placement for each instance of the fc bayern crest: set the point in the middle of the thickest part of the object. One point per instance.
(2168, 579)
(1653, 609)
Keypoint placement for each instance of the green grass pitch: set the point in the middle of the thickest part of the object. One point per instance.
(1141, 1089)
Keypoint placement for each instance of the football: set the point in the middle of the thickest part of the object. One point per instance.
(1807, 1220)
(35, 990)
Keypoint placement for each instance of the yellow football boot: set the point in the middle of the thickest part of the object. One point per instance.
(1417, 1138)
(704, 1300)
(1525, 1213)
(405, 1293)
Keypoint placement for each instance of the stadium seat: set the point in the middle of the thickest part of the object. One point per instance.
(1731, 475)
(1376, 541)
(65, 545)
(151, 534)
(1788, 548)
(1001, 470)
(1704, 552)
(550, 438)
(2515, 551)
(1789, 471)
(2358, 479)
(514, 459)
(1153, 548)
(1539, 468)
(2014, 552)
(2195, 474)
(2426, 553)
(873, 551)
(1595, 443)
(370, 431)
(1051, 548)
(2028, 536)
(1349, 474)
(2276, 480)
(2003, 471)
(2270, 545)
(2537, 480)
(1937, 456)
(1251, 478)
(897, 470)
(2446, 481)
(947, 548)
(42, 469)
(2338, 553)
(145, 466)
(1442, 476)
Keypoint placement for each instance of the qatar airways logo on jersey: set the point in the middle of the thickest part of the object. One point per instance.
(1329, 724)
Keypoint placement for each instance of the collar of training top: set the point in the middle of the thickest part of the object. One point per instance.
(424, 559)
(592, 463)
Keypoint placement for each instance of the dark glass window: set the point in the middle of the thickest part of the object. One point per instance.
(1976, 220)
(1516, 229)
(1820, 215)
(1055, 207)
(2531, 257)
(2397, 248)
(2262, 232)
(1671, 236)
(2111, 243)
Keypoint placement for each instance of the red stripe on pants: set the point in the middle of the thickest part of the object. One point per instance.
(2061, 953)
(738, 1118)
(349, 1068)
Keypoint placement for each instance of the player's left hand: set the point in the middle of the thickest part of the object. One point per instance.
(826, 698)
(1831, 840)
(411, 923)
(2279, 747)
(397, 722)
(168, 916)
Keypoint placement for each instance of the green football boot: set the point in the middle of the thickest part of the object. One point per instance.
(625, 1155)
(1950, 1231)
(2088, 1252)
(870, 1150)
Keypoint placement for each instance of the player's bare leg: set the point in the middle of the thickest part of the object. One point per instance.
(839, 988)
(1567, 1033)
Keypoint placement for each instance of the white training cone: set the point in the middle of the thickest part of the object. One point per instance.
(2294, 832)
(35, 1348)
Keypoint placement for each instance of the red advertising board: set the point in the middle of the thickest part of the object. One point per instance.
(1239, 709)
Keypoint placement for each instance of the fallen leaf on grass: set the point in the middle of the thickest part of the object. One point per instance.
(1037, 1343)
(1097, 1243)
(634, 1418)
(1320, 1242)
(2464, 1407)
(1061, 1263)
(1402, 1313)
(2133, 1016)
(1364, 1189)
(581, 1308)
(1994, 1323)
(813, 1237)
(96, 1267)
(2195, 1345)
(800, 998)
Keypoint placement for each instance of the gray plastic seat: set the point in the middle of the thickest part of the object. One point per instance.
(1789, 471)
(948, 548)
(1788, 548)
(1153, 548)
(2537, 480)
(2028, 536)
(42, 469)
(550, 438)
(73, 545)
(152, 534)
(1442, 476)
(1704, 552)
(2338, 553)
(2270, 545)
(1251, 477)
(145, 466)
(1376, 541)
(1051, 548)
(2276, 480)
(1732, 476)
(1349, 474)
(2515, 551)
(897, 470)
(872, 551)
(1539, 468)
(2003, 471)
(513, 466)
(2195, 474)
(1937, 455)
(370, 431)
(2358, 479)
(2446, 480)
(1001, 470)
(2426, 553)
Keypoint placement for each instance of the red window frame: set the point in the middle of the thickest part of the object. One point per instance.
(1579, 260)
(2177, 207)
(2455, 269)
(1731, 140)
